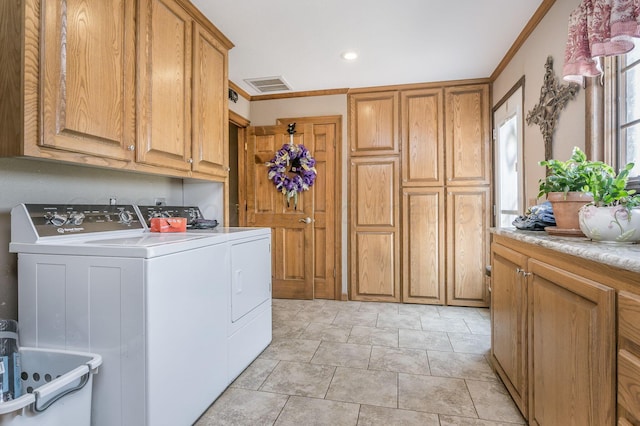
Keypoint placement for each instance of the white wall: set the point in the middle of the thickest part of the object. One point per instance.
(549, 38)
(265, 113)
(35, 181)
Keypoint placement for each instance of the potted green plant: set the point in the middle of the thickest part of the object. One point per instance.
(563, 186)
(614, 213)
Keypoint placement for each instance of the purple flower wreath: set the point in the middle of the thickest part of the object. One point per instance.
(299, 162)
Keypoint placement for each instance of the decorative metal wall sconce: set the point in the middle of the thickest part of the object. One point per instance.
(553, 98)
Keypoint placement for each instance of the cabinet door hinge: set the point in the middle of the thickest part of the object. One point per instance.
(495, 134)
(334, 272)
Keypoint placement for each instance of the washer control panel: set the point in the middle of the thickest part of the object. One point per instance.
(54, 219)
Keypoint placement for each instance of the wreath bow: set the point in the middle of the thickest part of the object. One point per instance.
(301, 173)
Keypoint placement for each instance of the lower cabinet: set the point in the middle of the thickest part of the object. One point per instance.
(571, 348)
(509, 322)
(628, 358)
(554, 337)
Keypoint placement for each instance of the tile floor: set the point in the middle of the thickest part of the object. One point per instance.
(364, 363)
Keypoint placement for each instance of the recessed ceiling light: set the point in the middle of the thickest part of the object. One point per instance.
(349, 55)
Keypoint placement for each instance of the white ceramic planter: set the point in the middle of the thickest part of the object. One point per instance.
(610, 224)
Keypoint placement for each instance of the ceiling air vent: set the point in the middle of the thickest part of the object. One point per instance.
(269, 84)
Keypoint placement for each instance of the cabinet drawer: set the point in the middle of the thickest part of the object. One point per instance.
(629, 316)
(629, 382)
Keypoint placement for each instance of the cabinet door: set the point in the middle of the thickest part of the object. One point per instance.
(468, 150)
(467, 245)
(571, 348)
(210, 113)
(422, 138)
(373, 119)
(509, 321)
(423, 269)
(374, 229)
(628, 358)
(88, 77)
(164, 85)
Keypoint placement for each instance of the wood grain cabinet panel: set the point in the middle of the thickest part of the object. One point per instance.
(467, 245)
(164, 84)
(467, 131)
(628, 358)
(509, 322)
(422, 137)
(423, 271)
(88, 77)
(374, 229)
(571, 348)
(374, 123)
(210, 115)
(109, 83)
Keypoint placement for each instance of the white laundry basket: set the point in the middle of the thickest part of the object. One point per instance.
(57, 389)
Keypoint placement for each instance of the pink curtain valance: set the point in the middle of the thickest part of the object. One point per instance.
(599, 28)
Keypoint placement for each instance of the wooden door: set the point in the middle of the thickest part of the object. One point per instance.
(467, 135)
(509, 322)
(374, 233)
(292, 237)
(571, 349)
(210, 115)
(422, 138)
(468, 221)
(88, 77)
(423, 269)
(327, 237)
(164, 85)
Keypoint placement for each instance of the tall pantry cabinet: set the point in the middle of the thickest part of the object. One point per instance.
(419, 194)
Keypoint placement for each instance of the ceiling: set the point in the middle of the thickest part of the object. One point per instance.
(398, 41)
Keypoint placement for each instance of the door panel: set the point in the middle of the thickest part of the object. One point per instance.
(374, 229)
(467, 243)
(467, 135)
(88, 77)
(422, 137)
(164, 125)
(374, 118)
(423, 245)
(292, 252)
(210, 82)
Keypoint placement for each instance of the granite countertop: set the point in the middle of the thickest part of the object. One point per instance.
(623, 256)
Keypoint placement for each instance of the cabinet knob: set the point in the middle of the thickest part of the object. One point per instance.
(131, 148)
(190, 161)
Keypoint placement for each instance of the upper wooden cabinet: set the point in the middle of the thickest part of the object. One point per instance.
(164, 85)
(374, 123)
(133, 85)
(467, 130)
(210, 135)
(422, 138)
(88, 77)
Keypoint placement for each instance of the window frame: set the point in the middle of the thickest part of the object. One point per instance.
(610, 85)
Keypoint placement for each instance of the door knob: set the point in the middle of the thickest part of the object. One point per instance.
(305, 220)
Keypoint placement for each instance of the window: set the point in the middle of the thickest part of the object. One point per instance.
(628, 120)
(621, 97)
(507, 118)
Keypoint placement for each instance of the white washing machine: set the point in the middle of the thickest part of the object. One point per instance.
(155, 306)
